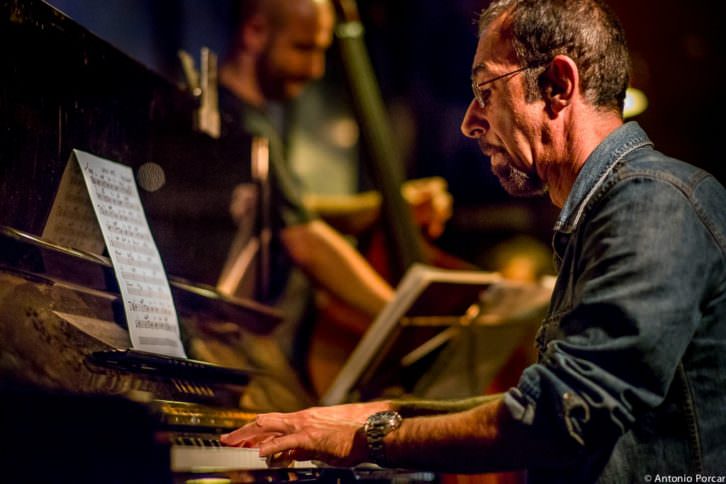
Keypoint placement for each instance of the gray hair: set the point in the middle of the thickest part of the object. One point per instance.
(587, 31)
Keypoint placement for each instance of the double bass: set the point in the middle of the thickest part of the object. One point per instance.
(400, 244)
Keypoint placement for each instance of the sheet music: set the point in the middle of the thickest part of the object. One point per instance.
(149, 308)
(71, 221)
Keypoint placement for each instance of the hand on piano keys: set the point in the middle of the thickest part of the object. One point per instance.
(329, 434)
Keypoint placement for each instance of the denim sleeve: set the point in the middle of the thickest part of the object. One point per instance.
(639, 267)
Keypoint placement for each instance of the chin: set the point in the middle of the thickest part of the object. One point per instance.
(293, 91)
(282, 92)
(523, 192)
(518, 183)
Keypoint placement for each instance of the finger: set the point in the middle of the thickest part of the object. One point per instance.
(281, 459)
(281, 444)
(275, 422)
(257, 439)
(249, 434)
(302, 454)
(232, 440)
(240, 435)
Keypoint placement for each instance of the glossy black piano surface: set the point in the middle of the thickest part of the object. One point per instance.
(62, 88)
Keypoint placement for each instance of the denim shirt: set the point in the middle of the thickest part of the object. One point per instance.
(630, 381)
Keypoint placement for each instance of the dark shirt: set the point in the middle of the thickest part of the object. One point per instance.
(288, 208)
(289, 290)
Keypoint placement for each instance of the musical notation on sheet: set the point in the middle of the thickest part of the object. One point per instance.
(111, 190)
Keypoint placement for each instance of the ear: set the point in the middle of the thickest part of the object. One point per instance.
(254, 34)
(562, 83)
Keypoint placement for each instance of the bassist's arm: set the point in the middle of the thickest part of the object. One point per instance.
(326, 257)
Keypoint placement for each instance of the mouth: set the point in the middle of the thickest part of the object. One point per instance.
(489, 150)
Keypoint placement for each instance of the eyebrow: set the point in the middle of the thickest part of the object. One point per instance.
(477, 69)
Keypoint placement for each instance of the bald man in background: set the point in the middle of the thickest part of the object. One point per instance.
(279, 48)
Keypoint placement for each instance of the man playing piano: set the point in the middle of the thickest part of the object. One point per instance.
(630, 380)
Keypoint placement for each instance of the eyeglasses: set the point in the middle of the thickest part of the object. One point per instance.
(476, 86)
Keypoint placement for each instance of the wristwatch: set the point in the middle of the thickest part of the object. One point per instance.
(376, 427)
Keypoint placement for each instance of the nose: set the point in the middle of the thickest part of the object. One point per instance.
(474, 125)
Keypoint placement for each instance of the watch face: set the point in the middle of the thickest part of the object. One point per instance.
(376, 427)
(384, 421)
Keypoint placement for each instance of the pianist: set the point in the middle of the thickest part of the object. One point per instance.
(630, 380)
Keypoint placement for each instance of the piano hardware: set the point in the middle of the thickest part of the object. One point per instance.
(144, 362)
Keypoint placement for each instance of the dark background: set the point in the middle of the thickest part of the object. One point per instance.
(422, 50)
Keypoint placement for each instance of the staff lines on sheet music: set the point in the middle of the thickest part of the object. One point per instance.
(141, 292)
(121, 217)
(132, 276)
(107, 170)
(155, 341)
(118, 202)
(114, 187)
(129, 233)
(119, 244)
(150, 265)
(142, 307)
(153, 325)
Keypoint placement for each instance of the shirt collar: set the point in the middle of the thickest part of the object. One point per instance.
(596, 169)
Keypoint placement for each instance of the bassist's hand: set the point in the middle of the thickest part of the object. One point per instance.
(430, 202)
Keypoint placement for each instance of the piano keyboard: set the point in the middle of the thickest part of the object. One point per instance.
(195, 458)
(204, 453)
